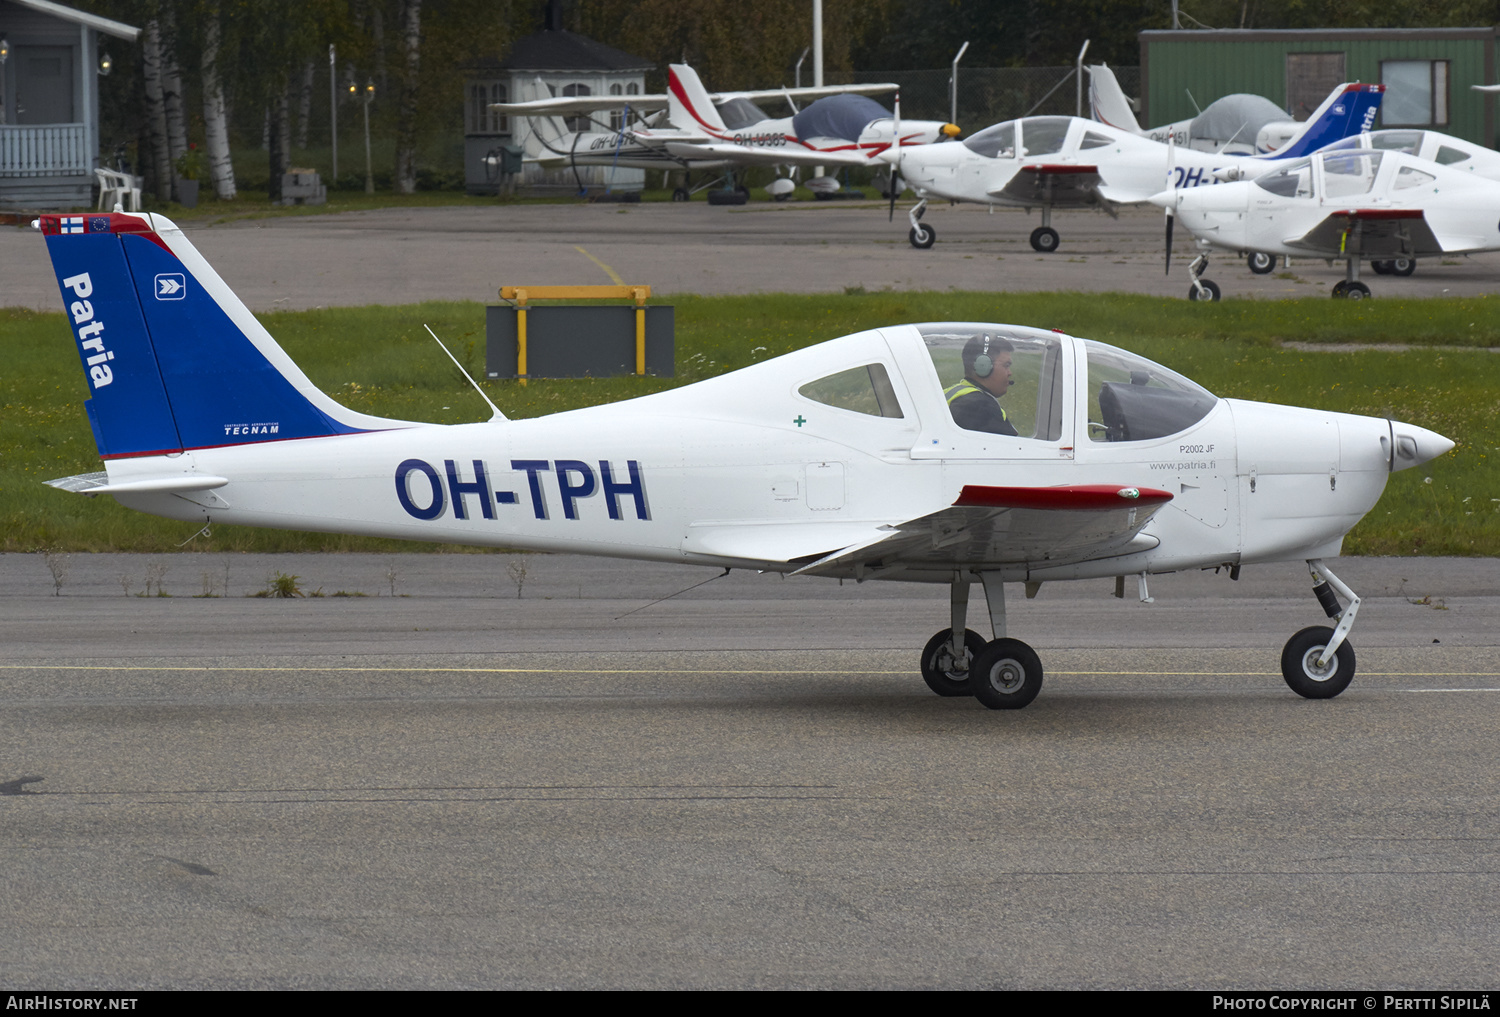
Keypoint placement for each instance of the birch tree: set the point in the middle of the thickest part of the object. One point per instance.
(405, 181)
(158, 158)
(171, 87)
(215, 118)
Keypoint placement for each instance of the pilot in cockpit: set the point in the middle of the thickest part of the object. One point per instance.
(973, 401)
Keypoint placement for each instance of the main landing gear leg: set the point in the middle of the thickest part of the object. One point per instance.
(1007, 674)
(1351, 288)
(948, 655)
(1318, 662)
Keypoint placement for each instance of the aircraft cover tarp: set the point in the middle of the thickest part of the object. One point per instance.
(838, 116)
(1236, 117)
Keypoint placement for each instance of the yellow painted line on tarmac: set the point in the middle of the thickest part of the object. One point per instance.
(613, 275)
(655, 670)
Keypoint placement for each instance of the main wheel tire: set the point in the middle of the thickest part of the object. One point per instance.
(1356, 291)
(1403, 266)
(944, 674)
(681, 194)
(719, 197)
(742, 189)
(1381, 267)
(1045, 239)
(1299, 664)
(922, 236)
(1211, 288)
(1007, 675)
(1261, 263)
(1340, 289)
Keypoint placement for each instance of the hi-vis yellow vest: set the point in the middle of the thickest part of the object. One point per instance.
(963, 388)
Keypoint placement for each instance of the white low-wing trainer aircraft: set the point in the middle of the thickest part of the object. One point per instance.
(880, 455)
(694, 129)
(1068, 162)
(1345, 205)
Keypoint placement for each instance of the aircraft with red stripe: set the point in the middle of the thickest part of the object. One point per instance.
(690, 128)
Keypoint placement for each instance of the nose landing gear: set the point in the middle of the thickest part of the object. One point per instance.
(1318, 662)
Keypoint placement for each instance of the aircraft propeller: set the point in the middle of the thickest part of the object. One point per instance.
(893, 156)
(1171, 209)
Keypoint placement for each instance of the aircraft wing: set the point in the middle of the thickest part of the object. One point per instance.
(571, 105)
(565, 105)
(1067, 182)
(810, 92)
(1382, 233)
(1008, 525)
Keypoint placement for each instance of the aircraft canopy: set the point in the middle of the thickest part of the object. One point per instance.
(1237, 117)
(838, 116)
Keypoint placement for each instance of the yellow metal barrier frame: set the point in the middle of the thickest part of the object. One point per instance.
(521, 294)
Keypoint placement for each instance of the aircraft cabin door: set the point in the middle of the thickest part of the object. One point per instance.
(991, 395)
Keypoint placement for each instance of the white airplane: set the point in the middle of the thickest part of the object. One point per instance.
(879, 455)
(1346, 205)
(1069, 162)
(1237, 124)
(694, 129)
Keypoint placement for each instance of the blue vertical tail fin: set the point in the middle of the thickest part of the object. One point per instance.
(1349, 109)
(174, 361)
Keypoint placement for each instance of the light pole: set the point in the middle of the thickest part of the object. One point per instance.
(369, 94)
(333, 111)
(4, 56)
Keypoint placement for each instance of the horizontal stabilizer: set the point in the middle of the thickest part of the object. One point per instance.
(98, 483)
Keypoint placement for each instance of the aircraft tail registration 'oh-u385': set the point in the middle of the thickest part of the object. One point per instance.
(879, 455)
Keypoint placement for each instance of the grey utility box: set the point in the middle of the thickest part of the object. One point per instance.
(579, 341)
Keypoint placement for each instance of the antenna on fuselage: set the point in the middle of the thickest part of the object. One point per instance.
(497, 414)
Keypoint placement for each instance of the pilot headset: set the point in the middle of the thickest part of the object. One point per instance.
(983, 365)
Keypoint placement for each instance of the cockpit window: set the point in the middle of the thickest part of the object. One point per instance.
(861, 389)
(1043, 135)
(1396, 141)
(1447, 155)
(997, 142)
(737, 113)
(1346, 174)
(1291, 181)
(972, 359)
(1093, 139)
(1133, 399)
(1410, 176)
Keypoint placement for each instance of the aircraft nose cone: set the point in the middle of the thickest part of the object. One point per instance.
(1164, 199)
(1416, 445)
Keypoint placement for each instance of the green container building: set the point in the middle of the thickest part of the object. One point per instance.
(1428, 73)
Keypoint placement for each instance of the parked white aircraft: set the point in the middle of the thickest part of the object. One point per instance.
(1068, 162)
(1348, 206)
(694, 129)
(880, 455)
(1237, 124)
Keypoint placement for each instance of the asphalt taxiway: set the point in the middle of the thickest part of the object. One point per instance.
(406, 255)
(745, 785)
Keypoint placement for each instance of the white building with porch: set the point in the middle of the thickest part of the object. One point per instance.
(50, 62)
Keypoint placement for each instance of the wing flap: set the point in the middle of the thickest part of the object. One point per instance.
(1010, 526)
(1054, 182)
(1379, 232)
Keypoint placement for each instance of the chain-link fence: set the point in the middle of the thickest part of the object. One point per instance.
(988, 95)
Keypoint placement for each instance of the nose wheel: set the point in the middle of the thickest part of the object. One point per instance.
(1202, 289)
(1318, 662)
